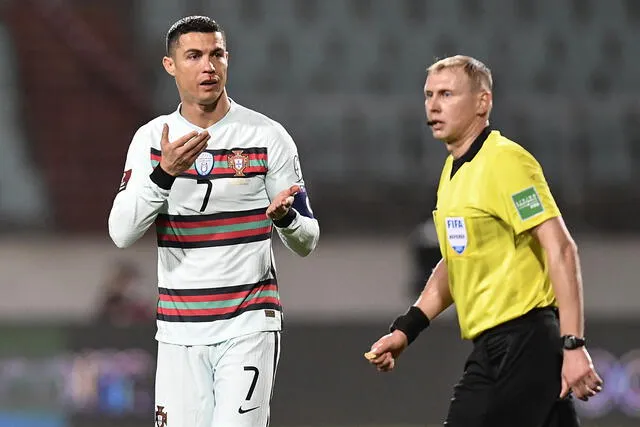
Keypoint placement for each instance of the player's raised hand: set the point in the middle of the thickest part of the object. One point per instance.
(280, 206)
(386, 350)
(179, 155)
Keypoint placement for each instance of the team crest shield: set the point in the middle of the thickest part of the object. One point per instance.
(204, 163)
(161, 416)
(238, 162)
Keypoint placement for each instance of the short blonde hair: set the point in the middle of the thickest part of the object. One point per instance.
(479, 73)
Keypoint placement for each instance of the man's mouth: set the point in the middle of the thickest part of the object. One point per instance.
(210, 82)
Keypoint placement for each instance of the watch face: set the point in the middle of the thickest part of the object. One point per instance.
(571, 342)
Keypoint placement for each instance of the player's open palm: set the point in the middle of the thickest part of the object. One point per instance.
(579, 375)
(179, 155)
(281, 204)
(386, 350)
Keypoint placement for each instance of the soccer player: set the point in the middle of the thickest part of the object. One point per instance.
(215, 178)
(508, 263)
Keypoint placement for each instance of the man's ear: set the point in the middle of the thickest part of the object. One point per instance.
(169, 65)
(485, 103)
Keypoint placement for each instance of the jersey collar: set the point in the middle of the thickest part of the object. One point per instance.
(475, 147)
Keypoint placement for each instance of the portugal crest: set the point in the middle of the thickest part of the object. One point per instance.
(238, 162)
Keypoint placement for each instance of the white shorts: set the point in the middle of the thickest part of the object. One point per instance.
(222, 385)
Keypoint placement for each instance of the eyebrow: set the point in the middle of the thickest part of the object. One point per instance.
(195, 50)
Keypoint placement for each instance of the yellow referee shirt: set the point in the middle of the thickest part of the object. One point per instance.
(488, 199)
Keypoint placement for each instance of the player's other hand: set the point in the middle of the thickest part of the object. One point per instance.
(280, 206)
(385, 351)
(179, 155)
(579, 375)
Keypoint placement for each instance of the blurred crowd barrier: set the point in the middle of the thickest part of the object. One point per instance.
(355, 278)
(94, 376)
(345, 77)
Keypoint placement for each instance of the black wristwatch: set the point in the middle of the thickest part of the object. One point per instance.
(571, 342)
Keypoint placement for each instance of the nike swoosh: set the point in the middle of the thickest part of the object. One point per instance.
(244, 411)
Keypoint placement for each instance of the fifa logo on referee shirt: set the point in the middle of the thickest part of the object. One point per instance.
(161, 416)
(456, 233)
(238, 162)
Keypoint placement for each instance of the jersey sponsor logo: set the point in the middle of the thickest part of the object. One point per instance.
(244, 411)
(204, 163)
(527, 203)
(126, 176)
(238, 162)
(456, 233)
(161, 416)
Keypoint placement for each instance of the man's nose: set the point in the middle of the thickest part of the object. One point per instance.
(210, 67)
(433, 104)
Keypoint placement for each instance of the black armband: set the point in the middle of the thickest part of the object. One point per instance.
(286, 220)
(161, 178)
(411, 323)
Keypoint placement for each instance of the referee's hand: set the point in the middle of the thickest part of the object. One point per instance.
(579, 375)
(385, 351)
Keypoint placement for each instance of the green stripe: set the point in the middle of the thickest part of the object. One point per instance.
(216, 229)
(225, 165)
(154, 163)
(214, 304)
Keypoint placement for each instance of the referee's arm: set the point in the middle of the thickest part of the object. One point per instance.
(564, 272)
(436, 296)
(578, 372)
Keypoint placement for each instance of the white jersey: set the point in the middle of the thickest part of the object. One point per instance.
(216, 273)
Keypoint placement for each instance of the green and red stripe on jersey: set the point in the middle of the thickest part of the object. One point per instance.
(207, 305)
(220, 229)
(255, 163)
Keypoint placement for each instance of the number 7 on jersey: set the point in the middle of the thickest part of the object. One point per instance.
(207, 194)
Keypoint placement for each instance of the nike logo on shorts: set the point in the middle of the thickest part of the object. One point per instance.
(244, 411)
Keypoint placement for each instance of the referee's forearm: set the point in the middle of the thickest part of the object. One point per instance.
(436, 296)
(564, 271)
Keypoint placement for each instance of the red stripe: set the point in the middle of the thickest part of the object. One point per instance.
(216, 236)
(252, 156)
(248, 169)
(211, 222)
(214, 311)
(215, 297)
(156, 157)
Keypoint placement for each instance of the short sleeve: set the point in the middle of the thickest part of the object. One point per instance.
(524, 199)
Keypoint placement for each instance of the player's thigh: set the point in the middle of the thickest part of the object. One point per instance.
(243, 380)
(184, 385)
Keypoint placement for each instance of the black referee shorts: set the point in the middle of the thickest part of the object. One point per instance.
(512, 377)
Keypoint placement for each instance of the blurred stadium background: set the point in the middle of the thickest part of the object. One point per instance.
(345, 78)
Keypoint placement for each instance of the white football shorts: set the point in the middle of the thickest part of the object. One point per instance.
(222, 385)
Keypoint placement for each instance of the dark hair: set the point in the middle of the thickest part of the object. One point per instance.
(191, 24)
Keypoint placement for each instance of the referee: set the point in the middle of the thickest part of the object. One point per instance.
(508, 263)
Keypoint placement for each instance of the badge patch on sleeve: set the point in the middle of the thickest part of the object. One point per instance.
(126, 176)
(527, 203)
